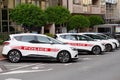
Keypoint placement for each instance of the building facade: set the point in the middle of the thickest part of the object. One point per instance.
(117, 12)
(84, 7)
(7, 5)
(112, 11)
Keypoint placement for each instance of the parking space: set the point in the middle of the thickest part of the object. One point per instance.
(7, 67)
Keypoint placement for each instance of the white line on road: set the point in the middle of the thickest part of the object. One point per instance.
(87, 58)
(35, 67)
(26, 71)
(13, 79)
(68, 64)
(24, 66)
(1, 70)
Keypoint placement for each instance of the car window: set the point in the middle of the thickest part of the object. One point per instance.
(82, 38)
(69, 37)
(62, 36)
(28, 38)
(43, 39)
(55, 41)
(95, 36)
(105, 36)
(17, 38)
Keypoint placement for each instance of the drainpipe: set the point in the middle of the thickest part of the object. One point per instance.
(67, 4)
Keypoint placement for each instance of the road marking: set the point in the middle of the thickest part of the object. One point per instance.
(1, 70)
(68, 64)
(13, 79)
(26, 71)
(11, 65)
(97, 55)
(23, 67)
(35, 67)
(87, 58)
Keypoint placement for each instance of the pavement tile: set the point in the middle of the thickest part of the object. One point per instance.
(1, 57)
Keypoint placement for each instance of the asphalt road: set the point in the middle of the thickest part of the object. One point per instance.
(88, 67)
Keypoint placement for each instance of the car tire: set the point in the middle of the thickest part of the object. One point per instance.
(96, 50)
(115, 46)
(14, 56)
(108, 47)
(64, 57)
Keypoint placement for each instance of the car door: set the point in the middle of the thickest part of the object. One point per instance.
(77, 41)
(27, 45)
(46, 47)
(84, 42)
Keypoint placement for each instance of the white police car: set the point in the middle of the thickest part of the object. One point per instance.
(28, 45)
(109, 45)
(81, 42)
(115, 41)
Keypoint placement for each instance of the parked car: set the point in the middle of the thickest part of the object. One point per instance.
(81, 42)
(115, 41)
(28, 45)
(109, 45)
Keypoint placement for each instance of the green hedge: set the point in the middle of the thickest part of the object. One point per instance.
(1, 42)
(3, 37)
(48, 34)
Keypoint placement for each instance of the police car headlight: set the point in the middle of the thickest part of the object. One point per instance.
(75, 49)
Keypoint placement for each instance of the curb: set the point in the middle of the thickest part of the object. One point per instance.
(2, 57)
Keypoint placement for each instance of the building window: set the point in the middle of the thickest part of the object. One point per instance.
(87, 2)
(76, 2)
(23, 1)
(37, 3)
(17, 2)
(103, 2)
(43, 5)
(95, 2)
(4, 14)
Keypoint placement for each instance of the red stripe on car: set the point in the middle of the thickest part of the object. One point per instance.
(36, 48)
(80, 44)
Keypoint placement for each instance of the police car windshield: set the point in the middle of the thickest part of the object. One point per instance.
(95, 36)
(105, 36)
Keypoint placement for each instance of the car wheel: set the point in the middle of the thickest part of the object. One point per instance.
(14, 56)
(108, 47)
(64, 57)
(115, 46)
(96, 50)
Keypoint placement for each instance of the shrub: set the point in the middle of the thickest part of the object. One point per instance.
(48, 34)
(3, 37)
(1, 42)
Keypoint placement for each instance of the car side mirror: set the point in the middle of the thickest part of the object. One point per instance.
(51, 42)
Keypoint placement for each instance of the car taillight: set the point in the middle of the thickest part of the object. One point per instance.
(6, 43)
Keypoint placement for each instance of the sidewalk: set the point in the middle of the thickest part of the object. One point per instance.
(1, 57)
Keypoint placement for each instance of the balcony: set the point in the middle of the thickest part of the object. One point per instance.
(88, 9)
